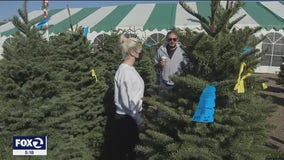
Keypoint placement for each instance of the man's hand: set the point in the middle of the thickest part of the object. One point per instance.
(163, 63)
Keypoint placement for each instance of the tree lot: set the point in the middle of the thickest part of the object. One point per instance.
(46, 89)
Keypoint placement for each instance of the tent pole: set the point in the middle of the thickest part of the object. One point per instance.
(47, 32)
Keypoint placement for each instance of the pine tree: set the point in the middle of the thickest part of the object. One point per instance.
(214, 58)
(76, 115)
(47, 89)
(25, 85)
(281, 73)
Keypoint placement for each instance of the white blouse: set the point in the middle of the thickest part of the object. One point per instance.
(128, 91)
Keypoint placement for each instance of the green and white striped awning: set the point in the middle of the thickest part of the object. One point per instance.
(160, 16)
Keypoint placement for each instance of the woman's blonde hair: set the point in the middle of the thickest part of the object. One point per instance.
(128, 44)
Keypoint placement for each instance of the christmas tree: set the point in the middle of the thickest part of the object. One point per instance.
(82, 88)
(48, 89)
(24, 85)
(61, 88)
(215, 57)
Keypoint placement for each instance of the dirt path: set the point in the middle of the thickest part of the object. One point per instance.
(276, 139)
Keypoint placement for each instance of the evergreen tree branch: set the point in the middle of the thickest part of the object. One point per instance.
(192, 12)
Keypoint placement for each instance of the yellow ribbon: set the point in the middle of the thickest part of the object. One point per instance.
(240, 87)
(264, 85)
(93, 74)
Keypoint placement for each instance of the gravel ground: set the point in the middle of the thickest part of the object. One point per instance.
(276, 136)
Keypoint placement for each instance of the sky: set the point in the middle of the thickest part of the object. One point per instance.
(8, 9)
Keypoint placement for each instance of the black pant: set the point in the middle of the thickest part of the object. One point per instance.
(123, 138)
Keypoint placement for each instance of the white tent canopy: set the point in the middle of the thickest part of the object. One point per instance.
(147, 19)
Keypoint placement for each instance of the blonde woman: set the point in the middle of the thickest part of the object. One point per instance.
(128, 93)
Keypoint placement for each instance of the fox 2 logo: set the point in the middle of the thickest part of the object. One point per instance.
(29, 142)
